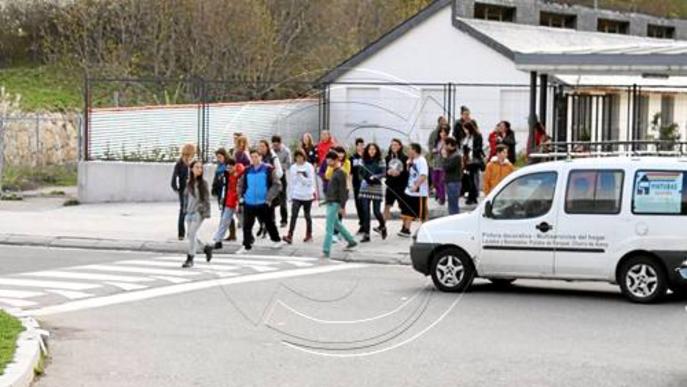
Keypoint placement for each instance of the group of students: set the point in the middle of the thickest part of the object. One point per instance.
(250, 184)
(460, 164)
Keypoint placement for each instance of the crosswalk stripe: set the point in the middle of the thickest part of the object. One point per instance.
(173, 264)
(70, 294)
(173, 280)
(139, 270)
(260, 267)
(16, 303)
(269, 257)
(47, 284)
(19, 293)
(126, 286)
(87, 276)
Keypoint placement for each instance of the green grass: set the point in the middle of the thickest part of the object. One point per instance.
(30, 178)
(10, 328)
(43, 88)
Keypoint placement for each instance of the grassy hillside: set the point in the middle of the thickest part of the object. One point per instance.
(43, 88)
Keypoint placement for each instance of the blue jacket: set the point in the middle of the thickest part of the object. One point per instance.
(259, 185)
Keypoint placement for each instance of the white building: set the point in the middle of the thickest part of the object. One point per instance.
(596, 85)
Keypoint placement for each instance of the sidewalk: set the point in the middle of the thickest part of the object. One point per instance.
(42, 221)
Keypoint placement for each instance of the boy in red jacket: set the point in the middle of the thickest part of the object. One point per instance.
(230, 199)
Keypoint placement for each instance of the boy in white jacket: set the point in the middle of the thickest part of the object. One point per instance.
(301, 193)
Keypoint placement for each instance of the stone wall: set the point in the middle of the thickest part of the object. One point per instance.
(41, 139)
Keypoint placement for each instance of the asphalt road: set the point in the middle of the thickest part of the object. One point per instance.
(349, 325)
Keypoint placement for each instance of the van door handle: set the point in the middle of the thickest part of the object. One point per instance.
(544, 227)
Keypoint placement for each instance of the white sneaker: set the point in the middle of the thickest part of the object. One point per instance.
(278, 245)
(241, 250)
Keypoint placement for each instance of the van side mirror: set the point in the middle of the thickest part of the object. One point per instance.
(488, 213)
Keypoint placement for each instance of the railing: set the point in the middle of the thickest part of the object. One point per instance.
(585, 149)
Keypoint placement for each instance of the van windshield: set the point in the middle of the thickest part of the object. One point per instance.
(528, 196)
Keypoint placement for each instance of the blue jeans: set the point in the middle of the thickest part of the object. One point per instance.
(453, 197)
(224, 222)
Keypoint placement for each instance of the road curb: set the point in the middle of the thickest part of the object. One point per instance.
(27, 357)
(359, 255)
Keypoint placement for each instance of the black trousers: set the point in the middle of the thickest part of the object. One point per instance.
(295, 209)
(358, 206)
(181, 224)
(283, 202)
(473, 182)
(376, 209)
(263, 214)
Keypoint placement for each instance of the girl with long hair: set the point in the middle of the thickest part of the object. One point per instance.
(396, 176)
(241, 151)
(437, 177)
(473, 160)
(179, 180)
(309, 148)
(197, 210)
(372, 190)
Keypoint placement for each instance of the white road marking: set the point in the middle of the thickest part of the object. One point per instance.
(177, 265)
(269, 257)
(126, 286)
(70, 294)
(47, 284)
(138, 270)
(182, 288)
(19, 293)
(173, 280)
(16, 303)
(87, 276)
(261, 267)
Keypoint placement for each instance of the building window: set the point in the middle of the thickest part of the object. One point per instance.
(494, 12)
(667, 110)
(557, 20)
(582, 117)
(661, 32)
(613, 26)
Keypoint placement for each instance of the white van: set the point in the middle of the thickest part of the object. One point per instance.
(621, 220)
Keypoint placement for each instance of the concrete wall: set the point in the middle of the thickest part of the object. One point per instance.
(119, 181)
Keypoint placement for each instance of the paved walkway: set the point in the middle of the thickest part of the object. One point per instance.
(152, 227)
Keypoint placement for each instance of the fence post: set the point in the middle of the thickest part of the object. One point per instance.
(2, 148)
(86, 118)
(39, 156)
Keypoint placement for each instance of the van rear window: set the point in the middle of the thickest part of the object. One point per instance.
(660, 193)
(594, 192)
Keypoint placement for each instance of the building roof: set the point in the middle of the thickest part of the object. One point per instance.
(559, 50)
(547, 50)
(384, 40)
(670, 84)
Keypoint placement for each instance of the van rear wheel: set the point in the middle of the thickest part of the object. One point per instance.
(452, 270)
(643, 280)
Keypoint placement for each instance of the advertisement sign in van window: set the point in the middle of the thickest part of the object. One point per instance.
(658, 192)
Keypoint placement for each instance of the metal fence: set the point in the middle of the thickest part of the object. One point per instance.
(148, 119)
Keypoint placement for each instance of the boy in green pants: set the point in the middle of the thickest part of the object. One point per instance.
(335, 199)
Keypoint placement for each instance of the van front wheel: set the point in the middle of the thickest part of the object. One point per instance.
(452, 270)
(643, 280)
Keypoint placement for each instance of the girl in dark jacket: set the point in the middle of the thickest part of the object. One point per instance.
(473, 160)
(197, 210)
(396, 176)
(179, 180)
(371, 189)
